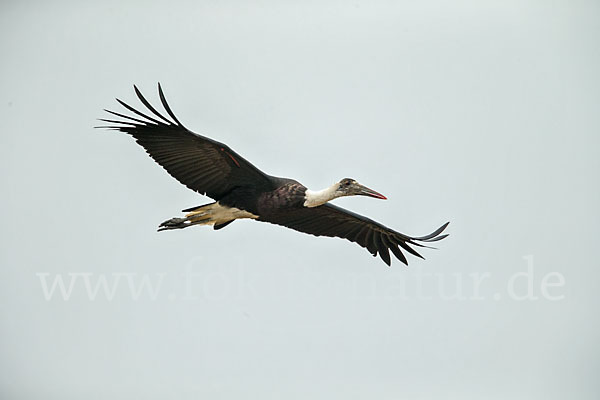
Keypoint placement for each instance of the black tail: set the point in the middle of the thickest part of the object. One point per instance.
(192, 208)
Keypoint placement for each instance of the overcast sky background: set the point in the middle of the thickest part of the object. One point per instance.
(485, 114)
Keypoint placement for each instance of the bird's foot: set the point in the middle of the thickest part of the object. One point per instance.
(174, 223)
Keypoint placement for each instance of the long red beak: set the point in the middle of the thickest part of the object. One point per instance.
(365, 191)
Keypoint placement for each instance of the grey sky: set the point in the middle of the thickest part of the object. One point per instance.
(484, 114)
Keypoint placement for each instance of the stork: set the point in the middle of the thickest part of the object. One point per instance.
(241, 190)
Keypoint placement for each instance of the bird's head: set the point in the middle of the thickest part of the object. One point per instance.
(349, 187)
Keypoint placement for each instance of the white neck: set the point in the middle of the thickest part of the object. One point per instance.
(314, 199)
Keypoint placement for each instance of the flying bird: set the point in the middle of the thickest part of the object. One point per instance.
(241, 190)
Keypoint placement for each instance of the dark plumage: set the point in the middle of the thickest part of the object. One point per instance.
(243, 191)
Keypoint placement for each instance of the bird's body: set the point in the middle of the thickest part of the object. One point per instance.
(241, 190)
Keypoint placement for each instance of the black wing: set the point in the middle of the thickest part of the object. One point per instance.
(333, 221)
(200, 163)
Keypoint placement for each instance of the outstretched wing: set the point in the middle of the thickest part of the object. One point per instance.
(333, 221)
(200, 163)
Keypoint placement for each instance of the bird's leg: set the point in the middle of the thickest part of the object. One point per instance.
(209, 214)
